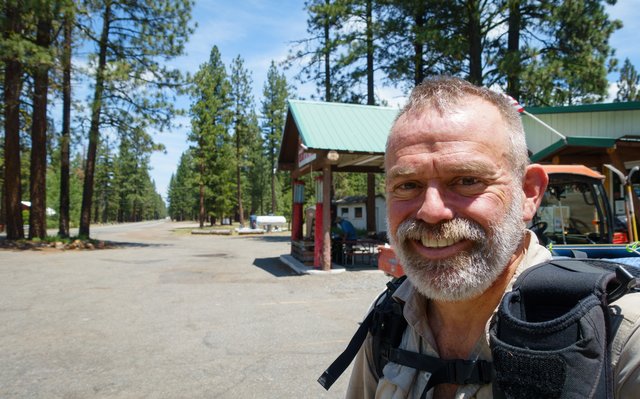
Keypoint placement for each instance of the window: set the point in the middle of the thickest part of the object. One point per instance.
(344, 211)
(358, 211)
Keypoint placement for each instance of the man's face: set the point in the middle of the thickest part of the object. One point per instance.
(454, 206)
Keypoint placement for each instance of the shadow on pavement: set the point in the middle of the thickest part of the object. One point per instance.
(268, 238)
(125, 244)
(274, 267)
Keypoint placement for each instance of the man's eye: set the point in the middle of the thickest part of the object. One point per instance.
(468, 181)
(405, 190)
(406, 186)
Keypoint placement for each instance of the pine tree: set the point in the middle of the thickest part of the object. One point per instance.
(107, 185)
(65, 137)
(319, 52)
(242, 107)
(13, 70)
(210, 119)
(570, 65)
(274, 108)
(44, 13)
(133, 39)
(357, 63)
(183, 190)
(628, 83)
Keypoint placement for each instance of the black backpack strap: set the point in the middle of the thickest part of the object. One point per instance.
(445, 371)
(370, 323)
(335, 370)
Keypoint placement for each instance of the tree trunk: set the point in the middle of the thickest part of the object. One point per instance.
(38, 178)
(474, 36)
(371, 100)
(273, 181)
(12, 88)
(63, 222)
(238, 179)
(327, 58)
(94, 130)
(201, 214)
(513, 50)
(418, 46)
(371, 207)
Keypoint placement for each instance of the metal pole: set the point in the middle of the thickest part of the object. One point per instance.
(535, 118)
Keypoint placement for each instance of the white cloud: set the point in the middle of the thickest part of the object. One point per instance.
(395, 98)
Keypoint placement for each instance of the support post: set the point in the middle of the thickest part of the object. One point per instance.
(371, 205)
(326, 218)
(297, 216)
(317, 233)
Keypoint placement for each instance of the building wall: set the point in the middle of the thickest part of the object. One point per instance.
(612, 124)
(359, 218)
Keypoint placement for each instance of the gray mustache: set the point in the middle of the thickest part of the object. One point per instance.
(456, 229)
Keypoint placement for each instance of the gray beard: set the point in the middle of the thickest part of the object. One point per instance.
(469, 273)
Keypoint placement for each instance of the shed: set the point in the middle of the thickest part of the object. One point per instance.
(332, 137)
(354, 209)
(357, 134)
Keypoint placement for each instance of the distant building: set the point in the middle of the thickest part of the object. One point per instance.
(354, 209)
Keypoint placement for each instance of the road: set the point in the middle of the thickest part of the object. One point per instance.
(167, 314)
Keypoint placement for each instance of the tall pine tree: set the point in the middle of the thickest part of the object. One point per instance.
(242, 108)
(210, 118)
(628, 83)
(274, 108)
(133, 39)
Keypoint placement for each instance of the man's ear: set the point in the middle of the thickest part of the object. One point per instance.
(534, 185)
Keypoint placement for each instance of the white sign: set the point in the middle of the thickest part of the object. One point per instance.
(305, 157)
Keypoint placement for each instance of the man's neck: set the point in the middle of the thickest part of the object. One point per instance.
(457, 326)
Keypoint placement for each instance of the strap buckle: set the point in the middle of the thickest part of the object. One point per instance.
(462, 372)
(627, 282)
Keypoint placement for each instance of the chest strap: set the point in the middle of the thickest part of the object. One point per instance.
(445, 371)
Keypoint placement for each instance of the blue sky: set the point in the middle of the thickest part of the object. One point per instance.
(262, 30)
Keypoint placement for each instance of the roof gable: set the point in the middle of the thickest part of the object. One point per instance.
(346, 128)
(342, 127)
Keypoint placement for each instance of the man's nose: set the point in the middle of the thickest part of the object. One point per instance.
(434, 207)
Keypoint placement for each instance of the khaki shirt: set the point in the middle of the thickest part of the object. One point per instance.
(406, 382)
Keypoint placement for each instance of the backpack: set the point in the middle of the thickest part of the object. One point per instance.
(553, 327)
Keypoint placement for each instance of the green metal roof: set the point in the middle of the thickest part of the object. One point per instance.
(342, 127)
(573, 141)
(622, 106)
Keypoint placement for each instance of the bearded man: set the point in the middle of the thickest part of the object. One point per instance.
(460, 191)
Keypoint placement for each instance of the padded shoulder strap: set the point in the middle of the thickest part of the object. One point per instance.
(551, 335)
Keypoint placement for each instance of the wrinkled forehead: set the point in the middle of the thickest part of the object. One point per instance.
(474, 120)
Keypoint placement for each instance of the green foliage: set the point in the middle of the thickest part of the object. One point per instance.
(107, 184)
(628, 83)
(212, 150)
(183, 190)
(75, 187)
(258, 172)
(132, 195)
(326, 18)
(274, 111)
(570, 67)
(553, 52)
(244, 122)
(134, 88)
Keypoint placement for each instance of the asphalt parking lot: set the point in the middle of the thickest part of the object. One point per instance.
(167, 314)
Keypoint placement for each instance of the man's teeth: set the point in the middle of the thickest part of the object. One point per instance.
(438, 243)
